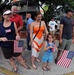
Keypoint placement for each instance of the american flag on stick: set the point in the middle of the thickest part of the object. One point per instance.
(65, 59)
(18, 46)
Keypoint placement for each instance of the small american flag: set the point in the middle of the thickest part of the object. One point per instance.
(18, 46)
(65, 59)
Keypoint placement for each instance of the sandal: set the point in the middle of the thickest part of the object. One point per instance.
(45, 69)
(48, 68)
(27, 67)
(15, 71)
(34, 66)
(38, 60)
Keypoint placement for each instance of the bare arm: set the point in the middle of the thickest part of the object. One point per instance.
(16, 31)
(45, 47)
(31, 32)
(61, 30)
(29, 26)
(21, 27)
(73, 35)
(73, 32)
(20, 23)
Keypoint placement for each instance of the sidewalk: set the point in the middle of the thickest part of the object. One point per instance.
(55, 69)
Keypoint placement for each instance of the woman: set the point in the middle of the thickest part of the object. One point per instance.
(8, 31)
(37, 27)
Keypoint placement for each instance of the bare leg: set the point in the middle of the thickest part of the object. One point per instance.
(44, 66)
(33, 62)
(58, 54)
(11, 60)
(47, 66)
(20, 59)
(38, 60)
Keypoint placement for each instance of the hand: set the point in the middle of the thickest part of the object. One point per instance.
(60, 41)
(17, 37)
(50, 47)
(32, 44)
(73, 41)
(4, 39)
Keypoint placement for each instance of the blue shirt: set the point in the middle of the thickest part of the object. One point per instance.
(29, 21)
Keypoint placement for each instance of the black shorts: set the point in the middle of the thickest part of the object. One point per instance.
(9, 53)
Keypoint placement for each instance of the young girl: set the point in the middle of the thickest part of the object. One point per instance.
(49, 48)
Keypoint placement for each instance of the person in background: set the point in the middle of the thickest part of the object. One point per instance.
(52, 25)
(16, 18)
(8, 33)
(66, 32)
(37, 27)
(28, 23)
(49, 48)
(58, 26)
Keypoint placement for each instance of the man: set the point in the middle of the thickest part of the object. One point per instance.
(16, 18)
(28, 23)
(52, 25)
(66, 29)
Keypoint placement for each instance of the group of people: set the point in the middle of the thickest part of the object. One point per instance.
(9, 30)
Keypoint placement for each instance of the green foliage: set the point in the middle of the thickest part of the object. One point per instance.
(45, 8)
(52, 4)
(71, 3)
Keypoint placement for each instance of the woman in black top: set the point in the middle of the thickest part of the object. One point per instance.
(8, 31)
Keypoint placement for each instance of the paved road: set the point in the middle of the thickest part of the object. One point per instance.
(55, 69)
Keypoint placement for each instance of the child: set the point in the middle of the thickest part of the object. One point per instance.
(49, 48)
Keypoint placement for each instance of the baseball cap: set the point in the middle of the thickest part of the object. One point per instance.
(7, 12)
(69, 10)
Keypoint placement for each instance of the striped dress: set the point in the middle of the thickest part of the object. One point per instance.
(38, 41)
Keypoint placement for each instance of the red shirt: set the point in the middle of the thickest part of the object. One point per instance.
(18, 20)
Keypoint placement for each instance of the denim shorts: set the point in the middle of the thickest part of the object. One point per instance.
(47, 57)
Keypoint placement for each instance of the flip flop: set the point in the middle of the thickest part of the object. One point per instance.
(45, 69)
(15, 71)
(38, 60)
(27, 67)
(34, 66)
(48, 68)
